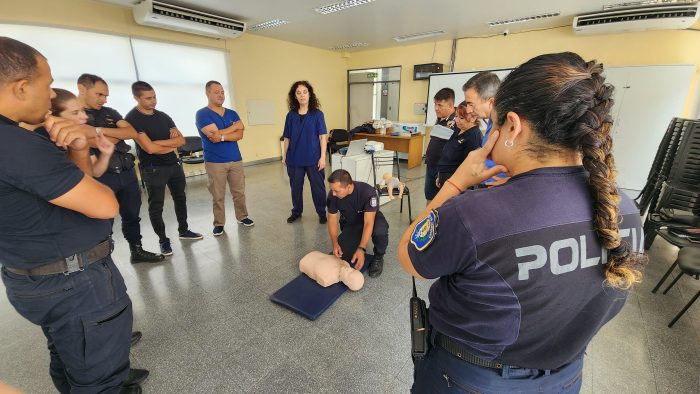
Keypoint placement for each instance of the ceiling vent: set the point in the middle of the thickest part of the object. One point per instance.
(167, 16)
(629, 19)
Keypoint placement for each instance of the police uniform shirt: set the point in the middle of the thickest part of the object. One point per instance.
(303, 133)
(457, 148)
(32, 230)
(353, 207)
(157, 127)
(106, 117)
(520, 268)
(434, 149)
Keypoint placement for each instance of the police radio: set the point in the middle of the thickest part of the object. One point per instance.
(420, 329)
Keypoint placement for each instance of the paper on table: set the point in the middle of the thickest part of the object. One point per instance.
(441, 132)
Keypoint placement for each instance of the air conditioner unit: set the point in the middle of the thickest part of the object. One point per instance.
(167, 16)
(653, 17)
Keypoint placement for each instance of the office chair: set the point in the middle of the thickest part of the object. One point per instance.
(383, 191)
(337, 138)
(190, 153)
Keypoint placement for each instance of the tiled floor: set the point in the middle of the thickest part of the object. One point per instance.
(209, 327)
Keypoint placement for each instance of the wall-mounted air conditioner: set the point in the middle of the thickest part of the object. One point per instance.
(167, 16)
(628, 19)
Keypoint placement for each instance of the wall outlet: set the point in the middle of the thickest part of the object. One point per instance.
(420, 108)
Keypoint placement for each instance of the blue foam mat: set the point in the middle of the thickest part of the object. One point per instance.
(309, 299)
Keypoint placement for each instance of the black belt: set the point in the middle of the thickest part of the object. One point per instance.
(70, 264)
(457, 349)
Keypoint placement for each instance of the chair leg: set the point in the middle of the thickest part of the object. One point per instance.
(410, 214)
(401, 206)
(685, 308)
(674, 282)
(663, 279)
(649, 236)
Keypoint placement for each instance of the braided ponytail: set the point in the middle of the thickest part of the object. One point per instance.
(567, 103)
(623, 267)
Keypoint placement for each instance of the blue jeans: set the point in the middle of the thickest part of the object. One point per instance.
(441, 372)
(86, 317)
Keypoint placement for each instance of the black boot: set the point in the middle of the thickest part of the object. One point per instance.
(376, 266)
(136, 377)
(133, 389)
(138, 255)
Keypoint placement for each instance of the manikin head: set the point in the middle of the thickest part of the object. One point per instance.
(387, 176)
(328, 270)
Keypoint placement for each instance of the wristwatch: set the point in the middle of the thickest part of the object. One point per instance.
(98, 130)
(222, 138)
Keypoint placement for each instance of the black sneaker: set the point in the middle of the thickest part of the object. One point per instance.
(376, 266)
(165, 248)
(138, 255)
(323, 219)
(136, 376)
(293, 217)
(191, 235)
(218, 230)
(135, 337)
(248, 222)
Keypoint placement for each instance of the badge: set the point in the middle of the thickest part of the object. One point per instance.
(450, 124)
(373, 202)
(425, 231)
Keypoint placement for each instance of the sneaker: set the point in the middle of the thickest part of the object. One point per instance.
(246, 222)
(218, 230)
(190, 235)
(165, 248)
(376, 266)
(293, 217)
(323, 219)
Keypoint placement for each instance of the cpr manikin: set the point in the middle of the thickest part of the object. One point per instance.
(327, 270)
(391, 182)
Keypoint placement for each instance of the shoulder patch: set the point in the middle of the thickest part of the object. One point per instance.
(425, 231)
(450, 124)
(373, 202)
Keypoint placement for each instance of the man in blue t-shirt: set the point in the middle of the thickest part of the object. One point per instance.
(479, 93)
(221, 129)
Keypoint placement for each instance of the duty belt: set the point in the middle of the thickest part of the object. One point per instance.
(70, 264)
(457, 349)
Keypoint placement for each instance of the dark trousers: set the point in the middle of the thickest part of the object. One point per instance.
(441, 372)
(430, 189)
(156, 179)
(86, 317)
(126, 188)
(351, 235)
(318, 188)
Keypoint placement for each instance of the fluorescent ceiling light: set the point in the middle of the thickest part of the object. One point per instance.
(331, 8)
(349, 46)
(643, 3)
(418, 36)
(268, 24)
(524, 19)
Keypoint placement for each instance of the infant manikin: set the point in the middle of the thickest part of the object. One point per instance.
(327, 270)
(391, 182)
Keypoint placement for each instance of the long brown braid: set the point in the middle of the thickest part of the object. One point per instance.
(567, 103)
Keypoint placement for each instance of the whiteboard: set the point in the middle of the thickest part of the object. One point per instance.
(455, 81)
(646, 99)
(260, 112)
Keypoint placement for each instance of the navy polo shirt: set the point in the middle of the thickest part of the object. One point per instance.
(106, 117)
(353, 206)
(303, 133)
(457, 148)
(157, 127)
(434, 149)
(32, 230)
(219, 152)
(521, 270)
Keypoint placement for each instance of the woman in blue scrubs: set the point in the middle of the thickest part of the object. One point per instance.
(305, 142)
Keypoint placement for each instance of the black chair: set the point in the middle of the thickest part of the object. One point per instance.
(384, 191)
(676, 209)
(688, 261)
(191, 152)
(663, 161)
(337, 138)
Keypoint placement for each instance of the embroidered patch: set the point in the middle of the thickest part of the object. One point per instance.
(450, 124)
(373, 202)
(425, 231)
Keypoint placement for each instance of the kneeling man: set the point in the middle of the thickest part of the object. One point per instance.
(360, 220)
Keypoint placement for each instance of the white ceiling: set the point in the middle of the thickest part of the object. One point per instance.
(378, 22)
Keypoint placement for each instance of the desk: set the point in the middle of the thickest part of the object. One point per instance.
(412, 145)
